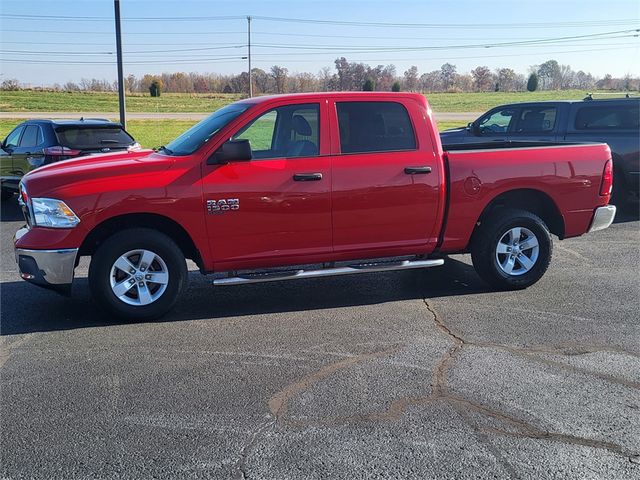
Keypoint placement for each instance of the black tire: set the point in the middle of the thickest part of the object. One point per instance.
(6, 195)
(490, 265)
(168, 256)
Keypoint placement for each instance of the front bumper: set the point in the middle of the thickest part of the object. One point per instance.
(52, 269)
(602, 218)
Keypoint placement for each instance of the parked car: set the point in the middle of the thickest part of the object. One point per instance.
(614, 121)
(39, 142)
(345, 182)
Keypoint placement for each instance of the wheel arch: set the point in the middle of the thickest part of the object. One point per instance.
(531, 200)
(154, 221)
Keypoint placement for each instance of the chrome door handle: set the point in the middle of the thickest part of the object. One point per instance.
(307, 177)
(417, 170)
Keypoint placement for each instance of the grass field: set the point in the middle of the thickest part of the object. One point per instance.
(35, 101)
(153, 133)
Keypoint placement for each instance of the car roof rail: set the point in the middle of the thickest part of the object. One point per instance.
(590, 96)
(95, 119)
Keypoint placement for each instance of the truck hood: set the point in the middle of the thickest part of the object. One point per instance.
(93, 173)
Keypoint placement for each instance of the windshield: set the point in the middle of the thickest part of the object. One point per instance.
(201, 132)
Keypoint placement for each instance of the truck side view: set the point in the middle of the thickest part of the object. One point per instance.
(345, 182)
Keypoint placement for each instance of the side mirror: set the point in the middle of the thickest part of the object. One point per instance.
(474, 127)
(231, 151)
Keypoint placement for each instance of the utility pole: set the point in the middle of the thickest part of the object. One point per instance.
(249, 55)
(123, 120)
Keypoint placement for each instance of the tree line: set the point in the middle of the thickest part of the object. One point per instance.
(346, 76)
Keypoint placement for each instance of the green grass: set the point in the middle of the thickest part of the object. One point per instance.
(37, 101)
(153, 133)
(481, 101)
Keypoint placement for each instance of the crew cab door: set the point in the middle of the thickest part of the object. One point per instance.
(386, 178)
(275, 208)
(9, 145)
(536, 123)
(495, 125)
(29, 154)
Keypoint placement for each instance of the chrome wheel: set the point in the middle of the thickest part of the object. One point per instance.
(139, 277)
(517, 251)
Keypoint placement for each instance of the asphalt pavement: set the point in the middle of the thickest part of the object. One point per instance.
(415, 374)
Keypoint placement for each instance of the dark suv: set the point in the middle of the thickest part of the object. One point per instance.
(38, 142)
(614, 121)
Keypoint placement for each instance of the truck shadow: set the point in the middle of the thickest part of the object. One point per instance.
(26, 309)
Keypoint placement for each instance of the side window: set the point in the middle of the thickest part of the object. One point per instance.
(497, 122)
(284, 132)
(31, 136)
(14, 137)
(374, 127)
(623, 117)
(536, 120)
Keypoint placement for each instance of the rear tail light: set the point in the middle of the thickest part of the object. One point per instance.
(59, 151)
(607, 179)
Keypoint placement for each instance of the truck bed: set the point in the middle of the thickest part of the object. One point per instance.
(564, 173)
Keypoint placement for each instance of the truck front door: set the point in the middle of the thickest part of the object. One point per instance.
(274, 209)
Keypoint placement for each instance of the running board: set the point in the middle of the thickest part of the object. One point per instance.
(275, 276)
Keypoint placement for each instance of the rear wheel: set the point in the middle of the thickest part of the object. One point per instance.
(511, 249)
(137, 274)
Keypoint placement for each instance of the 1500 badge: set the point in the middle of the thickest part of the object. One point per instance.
(221, 206)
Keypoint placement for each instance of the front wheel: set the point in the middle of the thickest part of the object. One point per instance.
(511, 249)
(137, 274)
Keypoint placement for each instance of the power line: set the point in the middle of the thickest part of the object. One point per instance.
(588, 23)
(364, 49)
(199, 61)
(570, 24)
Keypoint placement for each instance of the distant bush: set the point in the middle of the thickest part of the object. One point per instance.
(10, 84)
(368, 85)
(154, 88)
(395, 87)
(532, 83)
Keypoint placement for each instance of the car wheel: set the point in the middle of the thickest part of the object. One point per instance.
(137, 274)
(512, 249)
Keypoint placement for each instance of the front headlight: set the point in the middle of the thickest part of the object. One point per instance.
(52, 213)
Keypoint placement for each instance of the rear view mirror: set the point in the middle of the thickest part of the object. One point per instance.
(231, 151)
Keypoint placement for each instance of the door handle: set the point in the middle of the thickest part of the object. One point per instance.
(417, 170)
(307, 177)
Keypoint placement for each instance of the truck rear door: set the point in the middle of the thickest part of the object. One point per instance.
(386, 177)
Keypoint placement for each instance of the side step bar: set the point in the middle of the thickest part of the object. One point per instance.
(327, 272)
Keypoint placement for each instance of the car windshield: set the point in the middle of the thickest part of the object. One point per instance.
(201, 132)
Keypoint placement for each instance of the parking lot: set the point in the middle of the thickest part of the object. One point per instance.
(416, 374)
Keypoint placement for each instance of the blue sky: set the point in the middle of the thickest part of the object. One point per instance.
(41, 47)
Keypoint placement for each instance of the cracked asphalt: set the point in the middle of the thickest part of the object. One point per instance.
(416, 374)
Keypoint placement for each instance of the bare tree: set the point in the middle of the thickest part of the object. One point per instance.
(411, 79)
(482, 79)
(279, 74)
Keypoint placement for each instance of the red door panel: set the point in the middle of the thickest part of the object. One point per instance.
(376, 204)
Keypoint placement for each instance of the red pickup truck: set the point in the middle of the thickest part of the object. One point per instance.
(299, 186)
